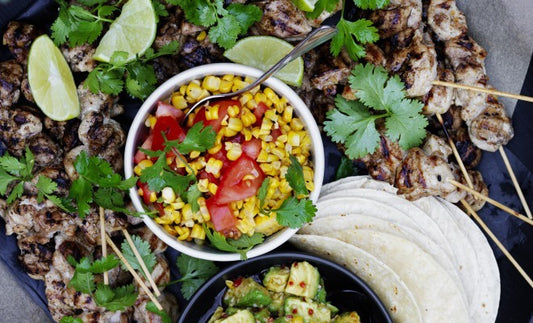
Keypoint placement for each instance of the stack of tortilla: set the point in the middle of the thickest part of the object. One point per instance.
(426, 260)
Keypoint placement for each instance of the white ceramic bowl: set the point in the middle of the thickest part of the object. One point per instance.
(164, 92)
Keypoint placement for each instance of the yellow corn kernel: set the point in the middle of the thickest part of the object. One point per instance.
(213, 166)
(229, 132)
(211, 83)
(151, 121)
(142, 165)
(301, 159)
(281, 105)
(284, 186)
(228, 77)
(235, 124)
(246, 226)
(168, 195)
(201, 36)
(170, 230)
(215, 149)
(225, 86)
(249, 79)
(287, 114)
(194, 91)
(278, 152)
(248, 118)
(296, 124)
(247, 134)
(183, 89)
(211, 112)
(271, 95)
(271, 114)
(234, 151)
(198, 232)
(263, 156)
(169, 160)
(176, 216)
(194, 154)
(245, 98)
(234, 111)
(178, 204)
(260, 97)
(267, 224)
(220, 135)
(186, 212)
(251, 104)
(238, 85)
(266, 126)
(178, 101)
(281, 139)
(266, 168)
(212, 188)
(183, 233)
(166, 219)
(272, 157)
(190, 119)
(203, 185)
(140, 192)
(293, 138)
(310, 186)
(256, 132)
(153, 197)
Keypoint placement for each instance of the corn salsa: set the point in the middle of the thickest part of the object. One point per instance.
(256, 133)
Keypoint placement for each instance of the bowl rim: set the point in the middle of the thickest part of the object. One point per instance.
(283, 257)
(197, 73)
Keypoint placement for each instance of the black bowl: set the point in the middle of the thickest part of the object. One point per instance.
(344, 289)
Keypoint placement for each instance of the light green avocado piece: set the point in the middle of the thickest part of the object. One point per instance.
(248, 293)
(349, 317)
(308, 310)
(276, 278)
(304, 280)
(241, 316)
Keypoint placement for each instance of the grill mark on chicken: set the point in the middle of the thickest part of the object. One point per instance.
(18, 37)
(11, 75)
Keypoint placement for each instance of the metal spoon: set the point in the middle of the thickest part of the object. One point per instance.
(315, 38)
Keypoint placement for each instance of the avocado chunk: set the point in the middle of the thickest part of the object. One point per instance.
(248, 293)
(349, 317)
(263, 316)
(304, 280)
(308, 310)
(276, 306)
(241, 316)
(276, 278)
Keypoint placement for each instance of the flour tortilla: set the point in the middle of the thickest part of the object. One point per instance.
(436, 293)
(334, 223)
(356, 182)
(388, 286)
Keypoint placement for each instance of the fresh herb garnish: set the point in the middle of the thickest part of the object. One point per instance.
(194, 272)
(262, 192)
(20, 171)
(225, 24)
(295, 177)
(78, 25)
(346, 168)
(294, 213)
(352, 123)
(115, 299)
(138, 76)
(240, 246)
(70, 319)
(351, 35)
(198, 138)
(98, 182)
(144, 250)
(151, 307)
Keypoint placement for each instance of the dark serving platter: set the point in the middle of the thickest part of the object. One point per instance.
(516, 294)
(344, 289)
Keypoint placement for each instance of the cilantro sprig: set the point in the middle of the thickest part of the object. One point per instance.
(241, 245)
(353, 123)
(15, 173)
(194, 272)
(143, 247)
(351, 35)
(225, 24)
(138, 76)
(98, 182)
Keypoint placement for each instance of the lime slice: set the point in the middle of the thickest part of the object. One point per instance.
(305, 5)
(132, 32)
(263, 52)
(51, 81)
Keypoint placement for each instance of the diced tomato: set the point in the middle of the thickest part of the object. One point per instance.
(275, 133)
(252, 148)
(147, 144)
(223, 106)
(259, 112)
(146, 191)
(223, 219)
(165, 109)
(160, 208)
(232, 186)
(169, 126)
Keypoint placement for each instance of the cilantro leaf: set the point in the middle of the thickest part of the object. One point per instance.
(143, 247)
(45, 186)
(16, 192)
(11, 164)
(199, 12)
(346, 168)
(151, 307)
(5, 180)
(246, 242)
(70, 319)
(81, 193)
(104, 80)
(374, 87)
(295, 177)
(407, 128)
(294, 213)
(371, 4)
(225, 32)
(82, 282)
(351, 35)
(262, 192)
(192, 195)
(194, 272)
(198, 138)
(321, 6)
(105, 264)
(115, 299)
(246, 15)
(241, 245)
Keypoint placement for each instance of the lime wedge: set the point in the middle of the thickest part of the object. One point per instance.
(305, 5)
(132, 32)
(263, 52)
(51, 81)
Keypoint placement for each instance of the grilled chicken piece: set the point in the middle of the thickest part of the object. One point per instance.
(90, 225)
(26, 90)
(70, 157)
(492, 128)
(470, 154)
(446, 20)
(56, 174)
(160, 274)
(402, 16)
(384, 162)
(46, 152)
(80, 57)
(435, 145)
(17, 127)
(167, 301)
(64, 132)
(165, 67)
(91, 102)
(170, 30)
(18, 38)
(100, 133)
(106, 317)
(422, 175)
(479, 186)
(11, 74)
(196, 52)
(375, 55)
(35, 257)
(332, 72)
(157, 245)
(452, 119)
(317, 22)
(281, 19)
(416, 65)
(440, 98)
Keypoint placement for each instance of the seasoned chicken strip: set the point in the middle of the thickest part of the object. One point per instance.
(440, 98)
(397, 17)
(491, 129)
(80, 57)
(35, 257)
(17, 127)
(11, 75)
(18, 38)
(446, 20)
(281, 19)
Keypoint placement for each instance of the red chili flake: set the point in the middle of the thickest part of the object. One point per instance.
(288, 316)
(295, 264)
(294, 311)
(291, 282)
(302, 284)
(310, 311)
(237, 281)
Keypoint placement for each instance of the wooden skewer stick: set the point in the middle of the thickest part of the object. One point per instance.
(104, 244)
(491, 201)
(515, 182)
(484, 90)
(497, 242)
(141, 262)
(133, 273)
(455, 152)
